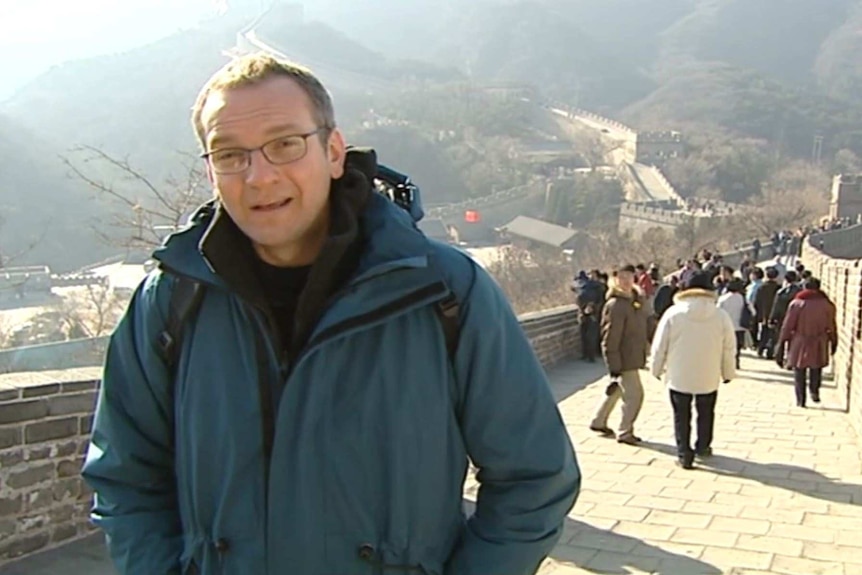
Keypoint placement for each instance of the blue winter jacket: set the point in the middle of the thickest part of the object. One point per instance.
(371, 436)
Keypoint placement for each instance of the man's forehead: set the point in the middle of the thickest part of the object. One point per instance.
(274, 105)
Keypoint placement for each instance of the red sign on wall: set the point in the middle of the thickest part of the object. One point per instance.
(471, 216)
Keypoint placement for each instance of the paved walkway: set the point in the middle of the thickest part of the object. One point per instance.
(783, 493)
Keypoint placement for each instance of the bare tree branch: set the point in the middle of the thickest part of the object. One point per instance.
(7, 259)
(142, 207)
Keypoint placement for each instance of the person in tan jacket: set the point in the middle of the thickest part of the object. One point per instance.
(625, 343)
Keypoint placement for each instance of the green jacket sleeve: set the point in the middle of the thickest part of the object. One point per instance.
(130, 461)
(528, 475)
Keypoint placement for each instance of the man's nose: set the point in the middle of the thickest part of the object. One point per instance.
(260, 170)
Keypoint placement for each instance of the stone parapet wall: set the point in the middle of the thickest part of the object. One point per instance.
(841, 278)
(555, 334)
(671, 191)
(45, 420)
(609, 123)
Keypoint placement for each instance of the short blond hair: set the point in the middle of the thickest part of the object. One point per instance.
(254, 69)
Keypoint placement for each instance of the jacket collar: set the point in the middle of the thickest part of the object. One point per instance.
(694, 293)
(808, 294)
(614, 291)
(369, 236)
(213, 249)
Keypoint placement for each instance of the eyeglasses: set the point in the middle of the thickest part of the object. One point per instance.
(283, 150)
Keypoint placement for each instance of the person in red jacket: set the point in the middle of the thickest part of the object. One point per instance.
(811, 336)
(645, 281)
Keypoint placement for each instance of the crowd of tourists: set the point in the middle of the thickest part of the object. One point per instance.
(689, 329)
(789, 242)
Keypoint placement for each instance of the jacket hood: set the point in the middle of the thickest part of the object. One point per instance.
(807, 294)
(367, 232)
(697, 304)
(211, 244)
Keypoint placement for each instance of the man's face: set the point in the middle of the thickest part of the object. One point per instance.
(283, 209)
(625, 280)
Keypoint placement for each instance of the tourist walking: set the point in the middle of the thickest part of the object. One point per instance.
(694, 349)
(733, 302)
(783, 298)
(811, 336)
(590, 294)
(763, 302)
(624, 346)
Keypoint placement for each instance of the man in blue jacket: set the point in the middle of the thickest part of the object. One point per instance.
(315, 422)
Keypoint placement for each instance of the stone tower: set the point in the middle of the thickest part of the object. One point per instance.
(846, 199)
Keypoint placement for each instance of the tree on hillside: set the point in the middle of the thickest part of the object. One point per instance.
(846, 162)
(716, 160)
(142, 209)
(92, 311)
(533, 280)
(585, 200)
(793, 197)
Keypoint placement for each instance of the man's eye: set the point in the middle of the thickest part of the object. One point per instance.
(288, 143)
(227, 155)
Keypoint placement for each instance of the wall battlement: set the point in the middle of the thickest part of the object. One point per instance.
(839, 268)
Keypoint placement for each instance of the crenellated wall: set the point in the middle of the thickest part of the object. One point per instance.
(45, 420)
(839, 268)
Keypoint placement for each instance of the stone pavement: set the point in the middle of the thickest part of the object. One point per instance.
(783, 494)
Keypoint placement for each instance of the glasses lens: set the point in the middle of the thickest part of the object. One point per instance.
(229, 161)
(285, 150)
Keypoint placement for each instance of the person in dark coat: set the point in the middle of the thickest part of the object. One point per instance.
(783, 298)
(664, 296)
(763, 303)
(590, 299)
(811, 336)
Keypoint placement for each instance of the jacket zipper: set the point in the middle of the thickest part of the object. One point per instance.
(266, 336)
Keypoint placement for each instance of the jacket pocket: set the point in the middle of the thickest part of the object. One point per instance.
(346, 555)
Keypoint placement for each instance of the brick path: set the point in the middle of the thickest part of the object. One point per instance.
(783, 493)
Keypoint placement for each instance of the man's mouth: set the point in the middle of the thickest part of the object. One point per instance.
(272, 205)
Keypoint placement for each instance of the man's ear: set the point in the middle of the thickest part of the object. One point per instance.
(336, 149)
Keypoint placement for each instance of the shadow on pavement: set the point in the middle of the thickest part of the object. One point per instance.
(600, 551)
(782, 475)
(765, 376)
(571, 376)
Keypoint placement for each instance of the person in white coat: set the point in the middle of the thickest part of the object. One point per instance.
(741, 314)
(693, 350)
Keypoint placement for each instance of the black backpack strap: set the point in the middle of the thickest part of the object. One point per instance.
(186, 297)
(448, 312)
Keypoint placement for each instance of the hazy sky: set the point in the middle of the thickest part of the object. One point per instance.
(36, 34)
